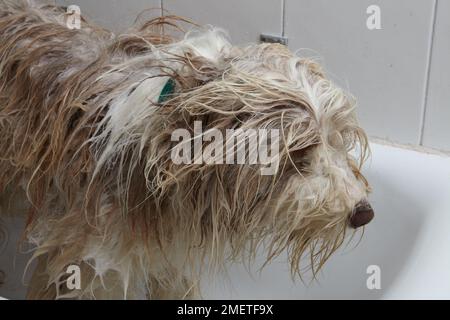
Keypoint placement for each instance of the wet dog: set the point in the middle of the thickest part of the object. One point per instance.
(88, 133)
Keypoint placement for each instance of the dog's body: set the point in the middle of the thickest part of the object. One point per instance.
(85, 132)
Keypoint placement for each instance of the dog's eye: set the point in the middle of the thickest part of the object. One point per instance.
(303, 152)
(302, 158)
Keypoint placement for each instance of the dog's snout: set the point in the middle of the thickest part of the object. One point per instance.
(362, 215)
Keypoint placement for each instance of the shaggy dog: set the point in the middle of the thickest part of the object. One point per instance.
(86, 138)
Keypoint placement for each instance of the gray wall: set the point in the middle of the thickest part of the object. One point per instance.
(400, 74)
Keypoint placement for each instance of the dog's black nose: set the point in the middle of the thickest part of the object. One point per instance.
(362, 215)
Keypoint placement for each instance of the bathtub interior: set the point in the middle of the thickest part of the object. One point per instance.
(408, 240)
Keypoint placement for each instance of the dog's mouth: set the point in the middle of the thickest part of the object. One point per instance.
(362, 215)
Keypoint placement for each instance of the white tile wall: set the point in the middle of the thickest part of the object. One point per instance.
(437, 117)
(245, 20)
(116, 15)
(385, 69)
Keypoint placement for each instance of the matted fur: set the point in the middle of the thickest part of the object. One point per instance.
(82, 132)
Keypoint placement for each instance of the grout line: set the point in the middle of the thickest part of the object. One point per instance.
(428, 74)
(283, 18)
(161, 3)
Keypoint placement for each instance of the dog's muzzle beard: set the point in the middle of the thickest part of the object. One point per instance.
(320, 241)
(312, 235)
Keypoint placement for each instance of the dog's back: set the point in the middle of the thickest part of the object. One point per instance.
(56, 88)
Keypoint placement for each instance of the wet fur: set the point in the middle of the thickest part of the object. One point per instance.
(82, 133)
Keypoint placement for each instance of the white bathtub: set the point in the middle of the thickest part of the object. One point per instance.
(409, 240)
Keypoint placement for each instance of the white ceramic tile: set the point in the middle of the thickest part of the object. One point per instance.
(116, 15)
(245, 20)
(385, 69)
(437, 117)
